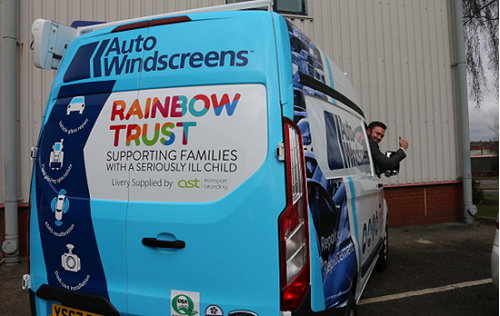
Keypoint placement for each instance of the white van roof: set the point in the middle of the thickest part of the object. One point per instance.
(51, 39)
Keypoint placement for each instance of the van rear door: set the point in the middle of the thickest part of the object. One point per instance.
(80, 234)
(205, 187)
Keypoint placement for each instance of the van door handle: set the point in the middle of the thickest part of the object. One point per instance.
(153, 242)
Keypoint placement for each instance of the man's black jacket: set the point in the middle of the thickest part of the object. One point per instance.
(384, 163)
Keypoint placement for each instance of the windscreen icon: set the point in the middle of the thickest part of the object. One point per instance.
(77, 104)
(57, 156)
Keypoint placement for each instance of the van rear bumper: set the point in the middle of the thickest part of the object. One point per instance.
(102, 305)
(305, 309)
(76, 299)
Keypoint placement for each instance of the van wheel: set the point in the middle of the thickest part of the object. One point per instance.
(352, 309)
(381, 264)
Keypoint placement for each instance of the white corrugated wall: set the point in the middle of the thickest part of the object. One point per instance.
(395, 52)
(2, 193)
(398, 56)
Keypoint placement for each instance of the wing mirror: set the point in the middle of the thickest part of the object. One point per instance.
(394, 172)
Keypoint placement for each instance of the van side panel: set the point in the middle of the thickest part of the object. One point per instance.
(371, 217)
(317, 296)
(346, 223)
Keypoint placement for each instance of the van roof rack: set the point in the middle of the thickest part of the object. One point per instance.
(51, 39)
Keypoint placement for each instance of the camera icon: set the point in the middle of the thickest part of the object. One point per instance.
(70, 261)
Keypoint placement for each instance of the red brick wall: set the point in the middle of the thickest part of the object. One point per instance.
(424, 204)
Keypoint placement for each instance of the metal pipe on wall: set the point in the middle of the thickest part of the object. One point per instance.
(10, 52)
(464, 111)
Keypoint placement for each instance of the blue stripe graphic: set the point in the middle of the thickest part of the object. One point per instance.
(62, 199)
(354, 216)
(329, 71)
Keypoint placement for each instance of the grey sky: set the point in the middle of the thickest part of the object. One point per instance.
(481, 120)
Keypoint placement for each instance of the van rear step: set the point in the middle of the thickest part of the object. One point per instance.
(77, 299)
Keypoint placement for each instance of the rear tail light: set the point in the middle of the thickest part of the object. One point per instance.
(294, 224)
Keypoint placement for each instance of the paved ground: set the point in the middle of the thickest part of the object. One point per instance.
(421, 258)
(428, 259)
(489, 186)
(13, 300)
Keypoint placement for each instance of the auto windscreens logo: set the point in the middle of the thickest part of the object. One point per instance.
(127, 56)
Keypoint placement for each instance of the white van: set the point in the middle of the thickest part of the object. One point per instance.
(220, 167)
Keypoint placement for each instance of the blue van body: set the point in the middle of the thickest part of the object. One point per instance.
(177, 143)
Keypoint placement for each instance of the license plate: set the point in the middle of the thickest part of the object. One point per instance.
(59, 310)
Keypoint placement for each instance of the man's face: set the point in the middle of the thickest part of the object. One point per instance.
(360, 137)
(376, 133)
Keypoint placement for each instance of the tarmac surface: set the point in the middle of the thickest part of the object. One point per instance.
(489, 186)
(13, 299)
(440, 269)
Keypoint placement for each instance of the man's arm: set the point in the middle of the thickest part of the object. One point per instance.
(384, 162)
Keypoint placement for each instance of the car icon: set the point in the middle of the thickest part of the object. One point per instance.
(77, 104)
(59, 207)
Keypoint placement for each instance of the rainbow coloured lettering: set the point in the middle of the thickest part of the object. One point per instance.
(173, 107)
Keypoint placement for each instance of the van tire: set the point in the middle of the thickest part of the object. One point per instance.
(381, 264)
(352, 308)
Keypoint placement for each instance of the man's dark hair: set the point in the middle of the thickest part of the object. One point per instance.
(375, 124)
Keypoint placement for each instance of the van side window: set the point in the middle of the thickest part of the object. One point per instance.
(336, 138)
(344, 150)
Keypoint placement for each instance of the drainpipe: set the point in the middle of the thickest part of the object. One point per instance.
(464, 112)
(10, 52)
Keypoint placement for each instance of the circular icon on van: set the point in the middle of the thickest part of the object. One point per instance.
(213, 310)
(59, 206)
